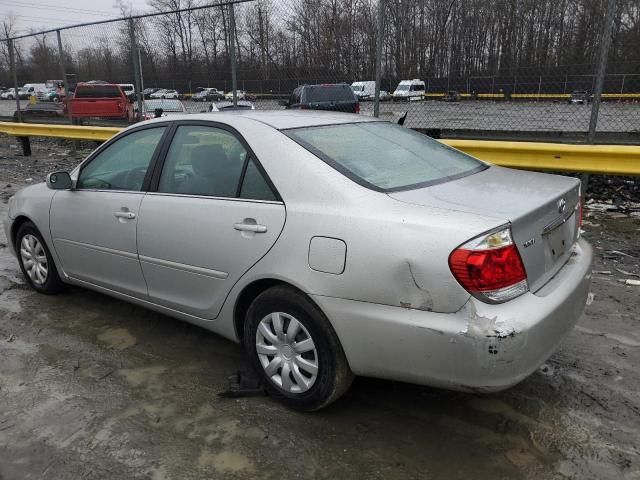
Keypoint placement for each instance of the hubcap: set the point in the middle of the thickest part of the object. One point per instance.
(286, 352)
(34, 259)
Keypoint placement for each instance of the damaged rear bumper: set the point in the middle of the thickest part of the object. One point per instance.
(481, 347)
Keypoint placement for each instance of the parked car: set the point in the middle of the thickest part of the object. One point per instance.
(146, 93)
(333, 97)
(208, 95)
(163, 108)
(226, 105)
(8, 94)
(241, 94)
(385, 96)
(451, 96)
(579, 97)
(129, 90)
(48, 95)
(408, 90)
(364, 90)
(165, 93)
(330, 245)
(100, 100)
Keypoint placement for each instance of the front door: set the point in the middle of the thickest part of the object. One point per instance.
(94, 225)
(214, 215)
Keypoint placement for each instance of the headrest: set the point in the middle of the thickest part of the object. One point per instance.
(207, 159)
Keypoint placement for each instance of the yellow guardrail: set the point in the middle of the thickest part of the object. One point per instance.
(538, 96)
(559, 157)
(603, 159)
(72, 132)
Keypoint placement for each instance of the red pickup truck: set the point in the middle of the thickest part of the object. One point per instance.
(104, 100)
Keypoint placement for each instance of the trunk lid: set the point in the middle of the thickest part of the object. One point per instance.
(541, 208)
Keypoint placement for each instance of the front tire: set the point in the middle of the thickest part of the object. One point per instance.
(295, 350)
(36, 261)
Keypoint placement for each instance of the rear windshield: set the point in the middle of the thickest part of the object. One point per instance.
(384, 156)
(97, 91)
(328, 93)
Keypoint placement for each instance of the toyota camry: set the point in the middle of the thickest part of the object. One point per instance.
(330, 245)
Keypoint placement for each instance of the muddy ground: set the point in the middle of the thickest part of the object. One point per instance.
(92, 387)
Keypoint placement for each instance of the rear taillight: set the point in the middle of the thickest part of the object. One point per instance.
(357, 108)
(489, 267)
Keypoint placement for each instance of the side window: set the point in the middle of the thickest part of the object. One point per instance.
(203, 161)
(122, 165)
(254, 185)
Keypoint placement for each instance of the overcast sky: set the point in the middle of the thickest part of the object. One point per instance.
(47, 14)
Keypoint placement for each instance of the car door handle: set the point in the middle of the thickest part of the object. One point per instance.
(250, 227)
(129, 215)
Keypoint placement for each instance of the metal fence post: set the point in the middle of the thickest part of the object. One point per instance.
(141, 73)
(232, 46)
(136, 67)
(63, 72)
(376, 98)
(14, 74)
(602, 66)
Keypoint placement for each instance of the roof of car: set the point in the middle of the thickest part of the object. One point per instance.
(283, 119)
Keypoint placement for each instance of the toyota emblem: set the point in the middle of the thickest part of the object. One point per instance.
(562, 204)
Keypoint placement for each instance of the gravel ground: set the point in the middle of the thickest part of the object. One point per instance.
(91, 387)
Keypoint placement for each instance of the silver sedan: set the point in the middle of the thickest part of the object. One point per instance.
(330, 245)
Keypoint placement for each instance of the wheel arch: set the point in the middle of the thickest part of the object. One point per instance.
(15, 226)
(251, 291)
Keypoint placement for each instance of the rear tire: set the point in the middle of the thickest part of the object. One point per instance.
(36, 261)
(306, 371)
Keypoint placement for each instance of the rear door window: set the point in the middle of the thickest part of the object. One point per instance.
(211, 161)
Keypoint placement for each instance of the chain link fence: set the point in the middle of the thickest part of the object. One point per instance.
(440, 70)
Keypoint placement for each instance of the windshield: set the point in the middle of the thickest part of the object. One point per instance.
(357, 88)
(402, 88)
(384, 156)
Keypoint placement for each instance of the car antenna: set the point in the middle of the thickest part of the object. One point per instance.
(403, 118)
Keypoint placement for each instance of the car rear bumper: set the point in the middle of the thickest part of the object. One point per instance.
(480, 348)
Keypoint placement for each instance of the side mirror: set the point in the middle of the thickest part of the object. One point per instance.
(283, 103)
(59, 181)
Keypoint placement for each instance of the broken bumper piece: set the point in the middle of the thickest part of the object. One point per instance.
(482, 347)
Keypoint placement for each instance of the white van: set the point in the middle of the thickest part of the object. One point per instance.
(409, 90)
(33, 88)
(364, 90)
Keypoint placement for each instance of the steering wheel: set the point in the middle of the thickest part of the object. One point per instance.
(135, 178)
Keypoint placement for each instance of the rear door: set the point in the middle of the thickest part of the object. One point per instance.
(213, 216)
